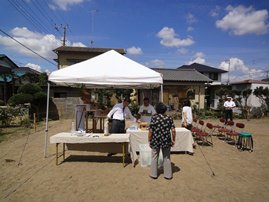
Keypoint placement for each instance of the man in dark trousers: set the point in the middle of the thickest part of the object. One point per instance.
(228, 107)
(118, 114)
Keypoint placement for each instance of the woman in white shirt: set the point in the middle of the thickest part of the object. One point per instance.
(187, 115)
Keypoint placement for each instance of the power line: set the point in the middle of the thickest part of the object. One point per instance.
(27, 47)
(25, 14)
(44, 14)
(64, 28)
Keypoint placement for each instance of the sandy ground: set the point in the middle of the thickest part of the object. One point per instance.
(25, 175)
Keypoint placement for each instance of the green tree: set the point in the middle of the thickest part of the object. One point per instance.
(30, 93)
(263, 95)
(222, 93)
(123, 93)
(246, 109)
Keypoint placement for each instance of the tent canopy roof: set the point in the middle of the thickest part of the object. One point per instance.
(108, 70)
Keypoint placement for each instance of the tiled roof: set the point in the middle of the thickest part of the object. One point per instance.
(250, 82)
(202, 68)
(26, 70)
(182, 75)
(6, 62)
(87, 49)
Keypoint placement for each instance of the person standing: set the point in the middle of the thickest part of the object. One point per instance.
(146, 111)
(118, 114)
(228, 109)
(160, 138)
(187, 115)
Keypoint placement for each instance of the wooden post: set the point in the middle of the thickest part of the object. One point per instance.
(35, 122)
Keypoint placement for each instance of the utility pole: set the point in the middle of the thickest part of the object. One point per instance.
(229, 66)
(92, 12)
(64, 27)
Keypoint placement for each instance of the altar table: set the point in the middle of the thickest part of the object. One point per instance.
(91, 142)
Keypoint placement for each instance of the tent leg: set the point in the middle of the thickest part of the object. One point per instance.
(47, 120)
(161, 93)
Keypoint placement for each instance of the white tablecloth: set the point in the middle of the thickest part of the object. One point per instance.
(183, 143)
(67, 137)
(91, 141)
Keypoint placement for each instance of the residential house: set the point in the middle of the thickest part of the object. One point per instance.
(69, 55)
(6, 79)
(210, 90)
(12, 77)
(252, 101)
(180, 84)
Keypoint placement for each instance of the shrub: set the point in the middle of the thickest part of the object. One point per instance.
(29, 88)
(20, 99)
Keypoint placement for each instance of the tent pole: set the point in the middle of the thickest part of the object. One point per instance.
(161, 98)
(47, 120)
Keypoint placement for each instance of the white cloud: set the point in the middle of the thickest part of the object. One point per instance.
(134, 51)
(42, 44)
(234, 64)
(39, 43)
(155, 63)
(48, 72)
(182, 51)
(238, 71)
(64, 4)
(190, 18)
(241, 20)
(215, 12)
(33, 66)
(77, 44)
(169, 38)
(190, 29)
(198, 58)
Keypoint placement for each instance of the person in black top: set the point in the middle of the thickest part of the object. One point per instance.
(160, 138)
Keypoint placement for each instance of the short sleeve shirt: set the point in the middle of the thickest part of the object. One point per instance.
(161, 126)
(146, 113)
(229, 104)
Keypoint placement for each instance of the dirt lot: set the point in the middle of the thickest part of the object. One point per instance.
(25, 175)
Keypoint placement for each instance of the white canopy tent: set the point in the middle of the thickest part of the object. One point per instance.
(108, 70)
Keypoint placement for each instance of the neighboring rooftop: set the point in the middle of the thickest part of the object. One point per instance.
(250, 81)
(25, 70)
(202, 68)
(87, 49)
(6, 64)
(182, 75)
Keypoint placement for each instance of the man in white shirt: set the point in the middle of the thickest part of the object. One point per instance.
(228, 108)
(118, 114)
(146, 111)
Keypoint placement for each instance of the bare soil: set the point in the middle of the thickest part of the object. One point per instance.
(218, 173)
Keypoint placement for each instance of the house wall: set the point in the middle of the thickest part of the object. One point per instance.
(70, 58)
(252, 101)
(173, 95)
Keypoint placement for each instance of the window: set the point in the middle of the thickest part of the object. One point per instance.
(214, 76)
(60, 95)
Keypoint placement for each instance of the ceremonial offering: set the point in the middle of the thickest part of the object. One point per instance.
(144, 125)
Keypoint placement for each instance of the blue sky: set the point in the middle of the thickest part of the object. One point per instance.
(156, 33)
